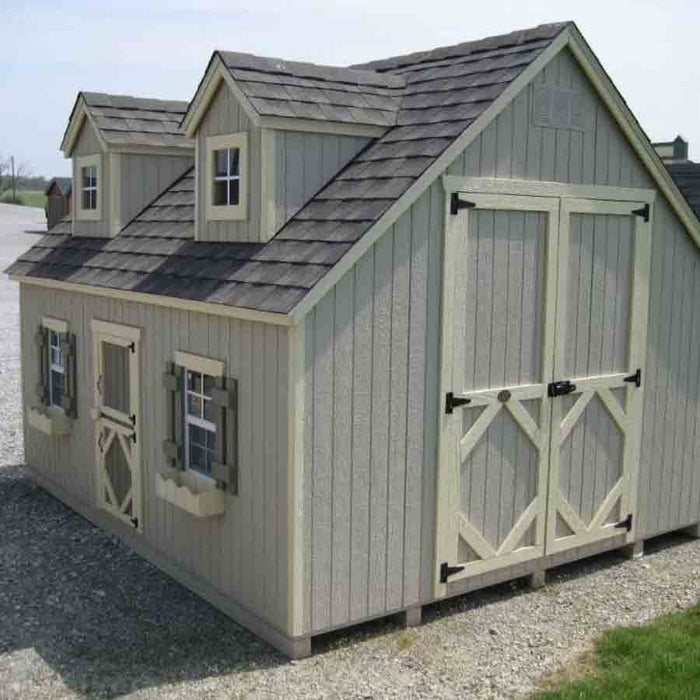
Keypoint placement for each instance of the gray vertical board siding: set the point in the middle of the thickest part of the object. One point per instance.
(226, 116)
(669, 482)
(304, 162)
(511, 147)
(87, 144)
(242, 553)
(144, 177)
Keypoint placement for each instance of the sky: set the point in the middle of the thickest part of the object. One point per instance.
(52, 50)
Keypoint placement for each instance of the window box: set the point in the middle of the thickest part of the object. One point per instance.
(49, 421)
(199, 497)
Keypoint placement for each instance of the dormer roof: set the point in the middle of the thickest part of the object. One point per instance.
(123, 122)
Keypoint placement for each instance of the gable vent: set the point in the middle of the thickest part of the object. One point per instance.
(558, 107)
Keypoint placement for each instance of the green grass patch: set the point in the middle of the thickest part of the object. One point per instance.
(28, 198)
(658, 661)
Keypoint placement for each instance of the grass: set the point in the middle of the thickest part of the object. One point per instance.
(405, 639)
(29, 198)
(659, 661)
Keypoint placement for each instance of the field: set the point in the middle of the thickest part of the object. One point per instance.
(658, 661)
(30, 198)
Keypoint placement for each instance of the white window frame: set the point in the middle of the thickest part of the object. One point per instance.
(203, 366)
(56, 328)
(227, 212)
(78, 189)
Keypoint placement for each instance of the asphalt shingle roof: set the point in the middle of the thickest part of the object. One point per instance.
(433, 97)
(687, 177)
(137, 121)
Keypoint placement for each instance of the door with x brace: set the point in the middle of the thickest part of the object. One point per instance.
(498, 339)
(116, 353)
(543, 340)
(604, 252)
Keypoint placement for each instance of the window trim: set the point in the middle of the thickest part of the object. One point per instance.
(86, 162)
(227, 212)
(202, 365)
(58, 328)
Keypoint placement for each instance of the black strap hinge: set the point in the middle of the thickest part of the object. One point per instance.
(456, 204)
(560, 388)
(452, 402)
(135, 522)
(643, 212)
(635, 378)
(132, 347)
(625, 524)
(446, 571)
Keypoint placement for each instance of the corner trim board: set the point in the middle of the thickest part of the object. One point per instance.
(156, 300)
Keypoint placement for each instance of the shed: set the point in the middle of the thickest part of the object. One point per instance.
(58, 200)
(403, 330)
(685, 173)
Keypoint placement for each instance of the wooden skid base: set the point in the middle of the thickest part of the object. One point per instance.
(412, 616)
(634, 550)
(292, 647)
(536, 579)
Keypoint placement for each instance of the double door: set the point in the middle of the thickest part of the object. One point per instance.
(544, 330)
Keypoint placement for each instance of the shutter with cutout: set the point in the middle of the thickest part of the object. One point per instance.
(42, 345)
(225, 466)
(70, 386)
(172, 445)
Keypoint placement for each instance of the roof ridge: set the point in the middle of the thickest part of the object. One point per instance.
(541, 31)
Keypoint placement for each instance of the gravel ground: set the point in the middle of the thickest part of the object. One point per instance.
(83, 617)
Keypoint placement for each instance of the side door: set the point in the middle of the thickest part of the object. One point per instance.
(499, 296)
(117, 401)
(596, 398)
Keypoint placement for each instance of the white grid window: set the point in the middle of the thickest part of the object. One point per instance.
(227, 176)
(200, 430)
(56, 370)
(89, 187)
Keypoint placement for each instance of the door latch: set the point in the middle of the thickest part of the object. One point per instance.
(452, 402)
(560, 388)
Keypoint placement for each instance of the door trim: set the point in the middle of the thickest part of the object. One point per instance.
(121, 424)
(535, 188)
(447, 489)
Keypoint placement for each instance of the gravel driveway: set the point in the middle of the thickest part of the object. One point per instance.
(83, 617)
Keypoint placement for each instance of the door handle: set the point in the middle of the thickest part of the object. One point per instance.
(560, 388)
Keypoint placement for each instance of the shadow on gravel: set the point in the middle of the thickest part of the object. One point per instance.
(106, 621)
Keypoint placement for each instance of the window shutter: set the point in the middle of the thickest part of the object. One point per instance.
(225, 466)
(172, 445)
(70, 388)
(42, 344)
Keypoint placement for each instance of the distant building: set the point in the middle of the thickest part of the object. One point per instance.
(684, 172)
(58, 202)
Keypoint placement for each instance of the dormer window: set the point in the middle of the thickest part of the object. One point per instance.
(89, 177)
(227, 174)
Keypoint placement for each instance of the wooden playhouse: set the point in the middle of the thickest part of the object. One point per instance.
(328, 344)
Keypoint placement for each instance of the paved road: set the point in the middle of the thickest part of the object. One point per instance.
(14, 220)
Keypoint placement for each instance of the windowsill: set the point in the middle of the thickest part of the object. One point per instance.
(50, 421)
(228, 212)
(194, 493)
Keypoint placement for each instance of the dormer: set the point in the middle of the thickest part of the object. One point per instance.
(270, 134)
(125, 151)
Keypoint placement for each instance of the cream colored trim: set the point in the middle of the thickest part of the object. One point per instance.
(215, 75)
(426, 179)
(295, 486)
(202, 307)
(128, 333)
(238, 212)
(267, 185)
(322, 127)
(115, 186)
(197, 191)
(630, 126)
(197, 363)
(55, 324)
(530, 188)
(73, 132)
(80, 163)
